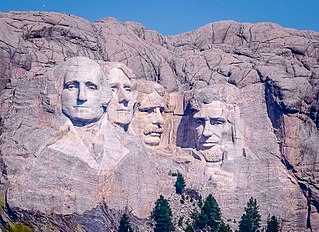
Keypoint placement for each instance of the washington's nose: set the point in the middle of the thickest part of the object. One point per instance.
(82, 94)
(158, 117)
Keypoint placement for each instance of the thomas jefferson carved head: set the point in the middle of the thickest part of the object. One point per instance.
(120, 79)
(85, 94)
(148, 120)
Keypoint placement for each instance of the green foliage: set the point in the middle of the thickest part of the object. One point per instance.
(210, 215)
(224, 227)
(19, 227)
(162, 216)
(125, 224)
(180, 184)
(189, 228)
(200, 201)
(2, 200)
(272, 224)
(250, 221)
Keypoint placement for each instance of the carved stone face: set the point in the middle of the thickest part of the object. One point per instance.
(120, 110)
(209, 125)
(148, 120)
(82, 95)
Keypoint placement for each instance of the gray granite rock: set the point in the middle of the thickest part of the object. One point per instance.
(274, 72)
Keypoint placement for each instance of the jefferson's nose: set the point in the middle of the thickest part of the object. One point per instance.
(122, 97)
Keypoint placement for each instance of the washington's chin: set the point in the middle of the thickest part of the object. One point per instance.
(84, 117)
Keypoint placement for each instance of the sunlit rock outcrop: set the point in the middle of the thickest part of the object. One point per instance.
(96, 116)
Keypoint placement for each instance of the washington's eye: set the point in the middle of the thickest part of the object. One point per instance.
(70, 86)
(91, 86)
(162, 109)
(113, 89)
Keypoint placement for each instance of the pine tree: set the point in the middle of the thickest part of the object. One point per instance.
(224, 227)
(200, 201)
(19, 227)
(210, 215)
(125, 224)
(272, 224)
(189, 228)
(250, 221)
(180, 183)
(162, 216)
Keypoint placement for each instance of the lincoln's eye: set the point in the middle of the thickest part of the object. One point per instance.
(214, 121)
(199, 121)
(113, 87)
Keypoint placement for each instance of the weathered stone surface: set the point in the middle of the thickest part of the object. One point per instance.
(123, 88)
(267, 76)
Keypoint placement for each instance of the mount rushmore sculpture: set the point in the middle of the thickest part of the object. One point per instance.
(95, 118)
(106, 144)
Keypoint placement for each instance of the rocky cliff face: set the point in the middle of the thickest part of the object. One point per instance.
(266, 76)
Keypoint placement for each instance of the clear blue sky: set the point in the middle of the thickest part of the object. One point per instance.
(171, 17)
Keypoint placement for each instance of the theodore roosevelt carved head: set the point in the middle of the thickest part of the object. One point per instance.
(148, 119)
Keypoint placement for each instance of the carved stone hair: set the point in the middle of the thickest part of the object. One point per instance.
(108, 66)
(148, 87)
(218, 92)
(77, 64)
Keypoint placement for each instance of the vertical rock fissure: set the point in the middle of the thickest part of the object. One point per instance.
(306, 190)
(275, 114)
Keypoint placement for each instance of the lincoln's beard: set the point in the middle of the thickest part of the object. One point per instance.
(214, 154)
